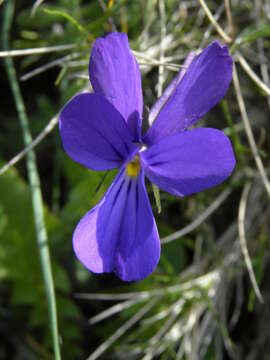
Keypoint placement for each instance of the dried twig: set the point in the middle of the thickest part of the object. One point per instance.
(249, 133)
(246, 67)
(34, 51)
(242, 238)
(123, 329)
(162, 48)
(49, 65)
(209, 30)
(260, 43)
(203, 281)
(48, 128)
(229, 17)
(113, 310)
(211, 18)
(200, 219)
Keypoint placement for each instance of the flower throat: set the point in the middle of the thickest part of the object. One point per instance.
(133, 167)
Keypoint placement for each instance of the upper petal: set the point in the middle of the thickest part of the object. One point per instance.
(115, 74)
(94, 133)
(189, 162)
(160, 103)
(120, 235)
(203, 86)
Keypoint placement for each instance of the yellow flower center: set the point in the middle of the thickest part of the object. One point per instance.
(133, 167)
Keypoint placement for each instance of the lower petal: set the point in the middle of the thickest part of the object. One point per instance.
(189, 162)
(120, 235)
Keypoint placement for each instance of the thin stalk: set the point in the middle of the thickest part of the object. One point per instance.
(249, 133)
(211, 18)
(123, 329)
(30, 146)
(229, 18)
(243, 240)
(235, 138)
(246, 67)
(34, 51)
(34, 181)
(200, 219)
(162, 13)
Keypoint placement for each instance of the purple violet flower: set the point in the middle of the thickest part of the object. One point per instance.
(102, 131)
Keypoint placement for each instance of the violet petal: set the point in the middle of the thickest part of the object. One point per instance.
(94, 133)
(115, 74)
(159, 104)
(120, 235)
(189, 162)
(203, 86)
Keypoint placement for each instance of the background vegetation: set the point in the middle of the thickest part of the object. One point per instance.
(203, 301)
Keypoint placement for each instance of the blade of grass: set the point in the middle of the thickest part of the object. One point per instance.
(33, 181)
(70, 19)
(235, 138)
(251, 34)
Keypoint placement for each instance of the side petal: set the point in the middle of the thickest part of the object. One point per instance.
(203, 86)
(120, 235)
(94, 133)
(160, 103)
(115, 74)
(189, 162)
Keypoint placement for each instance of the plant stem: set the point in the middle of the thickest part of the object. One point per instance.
(34, 181)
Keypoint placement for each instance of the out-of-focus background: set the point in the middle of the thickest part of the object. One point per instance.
(204, 301)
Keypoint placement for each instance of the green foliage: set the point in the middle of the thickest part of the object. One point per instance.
(251, 34)
(20, 264)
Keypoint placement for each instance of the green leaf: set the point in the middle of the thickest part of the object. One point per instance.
(251, 34)
(69, 18)
(173, 256)
(19, 259)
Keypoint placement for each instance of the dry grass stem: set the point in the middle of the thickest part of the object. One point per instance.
(229, 17)
(249, 132)
(57, 62)
(113, 310)
(243, 241)
(162, 47)
(246, 67)
(123, 329)
(200, 219)
(211, 18)
(210, 28)
(48, 128)
(34, 51)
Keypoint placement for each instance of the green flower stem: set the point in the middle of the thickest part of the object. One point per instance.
(157, 197)
(34, 181)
